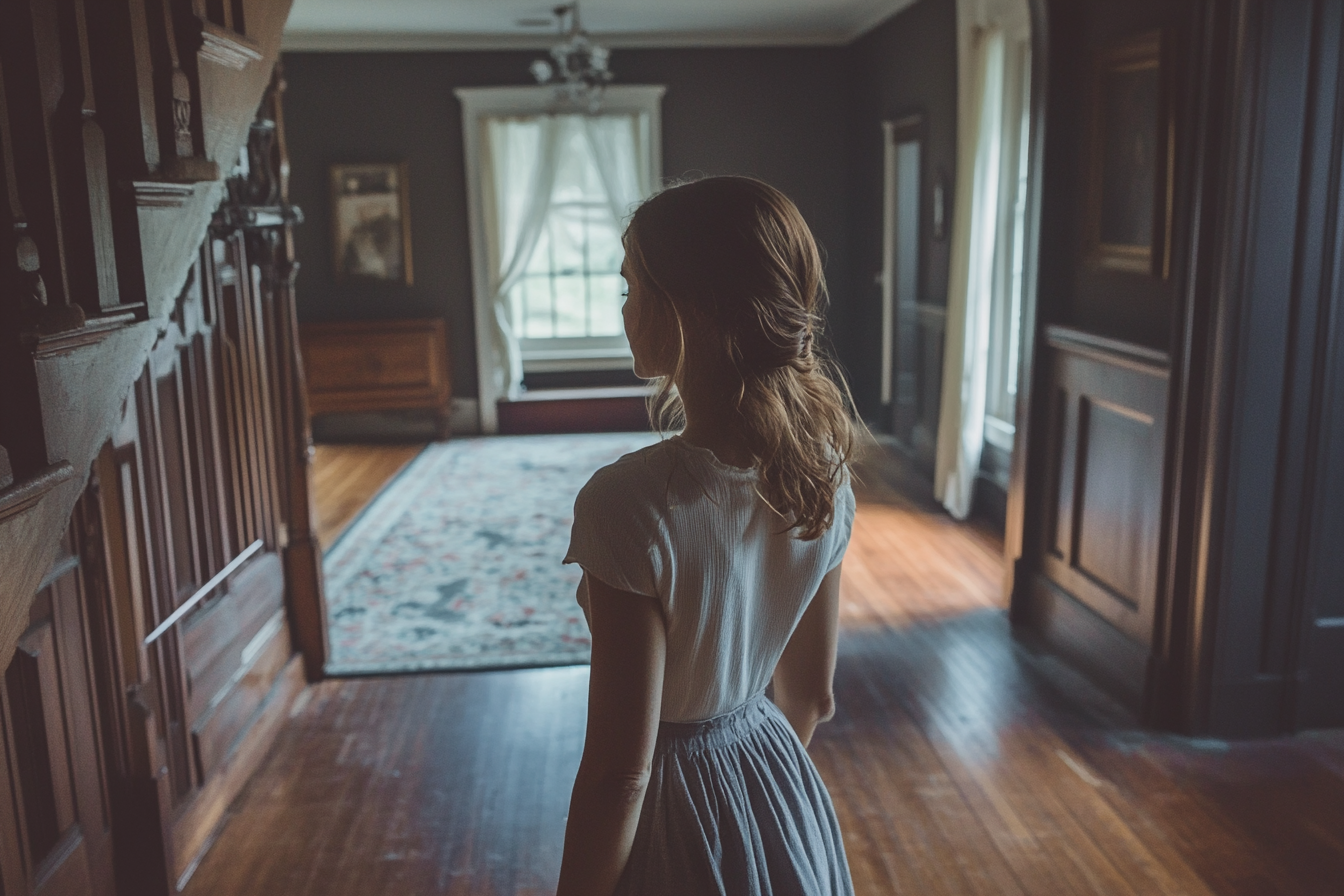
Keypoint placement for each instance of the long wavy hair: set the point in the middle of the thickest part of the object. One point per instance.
(732, 264)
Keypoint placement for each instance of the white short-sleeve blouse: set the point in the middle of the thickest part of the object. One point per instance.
(672, 522)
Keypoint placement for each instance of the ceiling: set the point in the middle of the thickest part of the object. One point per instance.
(495, 24)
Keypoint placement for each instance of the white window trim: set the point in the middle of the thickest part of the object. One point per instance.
(485, 102)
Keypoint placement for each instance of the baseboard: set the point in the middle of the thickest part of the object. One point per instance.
(396, 426)
(198, 826)
(989, 502)
(465, 417)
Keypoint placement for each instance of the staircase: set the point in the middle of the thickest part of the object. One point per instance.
(118, 119)
(160, 583)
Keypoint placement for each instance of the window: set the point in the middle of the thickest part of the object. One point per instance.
(548, 191)
(567, 303)
(1006, 302)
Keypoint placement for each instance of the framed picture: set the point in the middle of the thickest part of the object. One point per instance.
(371, 224)
(1132, 158)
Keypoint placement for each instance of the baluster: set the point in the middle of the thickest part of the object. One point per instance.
(32, 291)
(181, 159)
(26, 301)
(31, 42)
(83, 151)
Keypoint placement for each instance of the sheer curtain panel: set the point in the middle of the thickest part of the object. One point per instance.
(961, 422)
(620, 146)
(519, 165)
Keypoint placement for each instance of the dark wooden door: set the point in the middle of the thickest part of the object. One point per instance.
(54, 832)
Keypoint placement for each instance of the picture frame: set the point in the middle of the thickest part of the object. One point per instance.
(1131, 160)
(371, 222)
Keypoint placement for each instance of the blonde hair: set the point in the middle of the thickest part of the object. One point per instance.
(735, 257)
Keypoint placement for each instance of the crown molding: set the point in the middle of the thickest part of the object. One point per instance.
(867, 16)
(874, 13)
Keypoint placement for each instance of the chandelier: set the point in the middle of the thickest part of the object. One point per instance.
(580, 73)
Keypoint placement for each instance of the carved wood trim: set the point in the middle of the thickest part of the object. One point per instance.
(23, 495)
(95, 330)
(226, 47)
(161, 193)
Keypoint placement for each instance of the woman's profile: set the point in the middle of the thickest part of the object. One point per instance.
(711, 567)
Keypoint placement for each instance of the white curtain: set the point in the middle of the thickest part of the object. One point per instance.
(961, 424)
(520, 159)
(620, 148)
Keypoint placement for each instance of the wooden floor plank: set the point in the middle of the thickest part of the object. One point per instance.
(345, 479)
(959, 763)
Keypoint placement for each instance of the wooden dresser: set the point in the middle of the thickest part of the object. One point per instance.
(378, 366)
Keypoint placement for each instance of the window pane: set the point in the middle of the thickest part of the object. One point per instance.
(569, 306)
(606, 305)
(536, 306)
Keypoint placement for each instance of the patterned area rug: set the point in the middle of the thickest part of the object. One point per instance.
(456, 564)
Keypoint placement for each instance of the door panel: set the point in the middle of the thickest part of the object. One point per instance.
(59, 836)
(1110, 437)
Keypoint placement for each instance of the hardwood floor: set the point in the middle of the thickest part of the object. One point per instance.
(960, 763)
(910, 564)
(345, 479)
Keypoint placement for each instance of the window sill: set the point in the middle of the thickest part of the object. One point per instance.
(999, 433)
(585, 393)
(581, 359)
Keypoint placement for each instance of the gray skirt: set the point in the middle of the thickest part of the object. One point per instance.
(736, 807)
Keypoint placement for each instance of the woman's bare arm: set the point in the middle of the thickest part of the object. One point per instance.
(804, 675)
(624, 701)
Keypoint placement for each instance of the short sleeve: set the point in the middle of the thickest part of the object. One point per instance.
(616, 535)
(843, 525)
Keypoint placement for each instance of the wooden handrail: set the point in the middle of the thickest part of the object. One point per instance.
(204, 590)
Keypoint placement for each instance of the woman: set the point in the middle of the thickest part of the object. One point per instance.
(712, 567)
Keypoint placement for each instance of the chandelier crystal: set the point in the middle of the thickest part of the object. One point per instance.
(580, 73)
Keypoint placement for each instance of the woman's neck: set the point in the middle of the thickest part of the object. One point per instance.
(712, 419)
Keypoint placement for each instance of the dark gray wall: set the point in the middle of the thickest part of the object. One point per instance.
(906, 65)
(778, 114)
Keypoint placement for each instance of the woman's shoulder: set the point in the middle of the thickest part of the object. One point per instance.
(634, 478)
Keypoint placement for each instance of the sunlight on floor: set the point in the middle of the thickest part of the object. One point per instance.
(908, 565)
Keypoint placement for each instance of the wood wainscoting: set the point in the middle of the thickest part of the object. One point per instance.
(49, 728)
(1094, 595)
(162, 650)
(378, 365)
